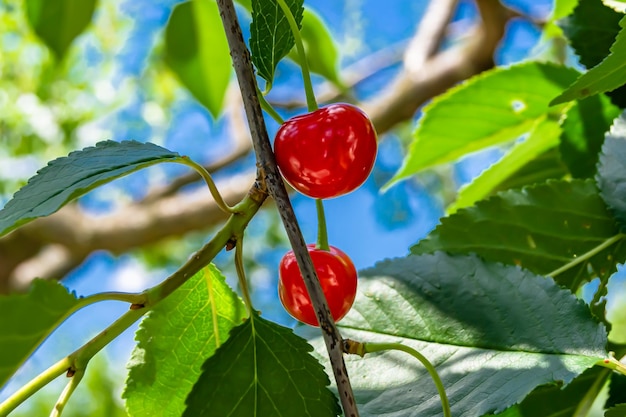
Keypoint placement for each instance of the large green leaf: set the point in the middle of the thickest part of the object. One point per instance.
(271, 38)
(175, 339)
(612, 170)
(493, 332)
(262, 370)
(617, 411)
(606, 76)
(490, 109)
(554, 400)
(27, 319)
(59, 22)
(583, 134)
(542, 137)
(67, 178)
(546, 166)
(591, 30)
(541, 228)
(321, 51)
(197, 51)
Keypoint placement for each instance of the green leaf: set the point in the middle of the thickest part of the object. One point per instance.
(544, 167)
(611, 176)
(197, 51)
(493, 332)
(175, 339)
(583, 134)
(262, 370)
(490, 109)
(554, 400)
(542, 137)
(59, 22)
(271, 38)
(27, 319)
(67, 178)
(591, 30)
(321, 50)
(618, 411)
(606, 76)
(540, 228)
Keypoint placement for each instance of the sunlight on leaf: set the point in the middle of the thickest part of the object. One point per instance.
(493, 108)
(493, 332)
(542, 137)
(540, 228)
(612, 170)
(68, 178)
(175, 339)
(197, 51)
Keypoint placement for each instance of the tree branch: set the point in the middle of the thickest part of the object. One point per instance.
(268, 172)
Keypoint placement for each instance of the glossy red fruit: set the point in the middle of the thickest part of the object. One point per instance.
(337, 276)
(328, 152)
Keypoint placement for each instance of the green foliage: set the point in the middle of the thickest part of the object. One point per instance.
(197, 51)
(611, 178)
(583, 134)
(617, 411)
(265, 370)
(59, 22)
(27, 319)
(473, 297)
(483, 325)
(271, 38)
(67, 178)
(175, 339)
(543, 136)
(553, 399)
(321, 50)
(591, 30)
(490, 109)
(540, 228)
(606, 76)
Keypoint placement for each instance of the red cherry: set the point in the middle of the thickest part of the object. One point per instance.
(337, 276)
(328, 152)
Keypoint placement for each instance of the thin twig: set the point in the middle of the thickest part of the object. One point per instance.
(268, 174)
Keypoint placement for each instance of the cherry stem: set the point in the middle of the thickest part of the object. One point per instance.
(322, 233)
(363, 348)
(241, 274)
(219, 200)
(269, 109)
(304, 64)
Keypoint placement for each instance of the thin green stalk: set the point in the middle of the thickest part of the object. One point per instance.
(304, 64)
(209, 182)
(241, 274)
(34, 385)
(322, 233)
(584, 405)
(378, 347)
(67, 393)
(269, 109)
(587, 255)
(77, 361)
(613, 364)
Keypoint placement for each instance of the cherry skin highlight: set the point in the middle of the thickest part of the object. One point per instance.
(326, 153)
(338, 278)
